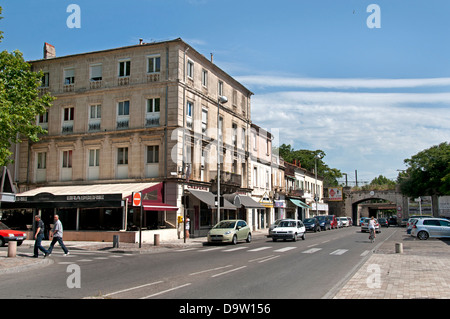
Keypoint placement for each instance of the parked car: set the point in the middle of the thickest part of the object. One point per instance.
(345, 221)
(324, 222)
(339, 222)
(410, 224)
(403, 222)
(392, 221)
(333, 221)
(7, 235)
(365, 225)
(272, 226)
(424, 228)
(383, 222)
(289, 229)
(312, 224)
(230, 231)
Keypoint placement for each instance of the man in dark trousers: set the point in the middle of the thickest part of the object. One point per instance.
(57, 236)
(38, 236)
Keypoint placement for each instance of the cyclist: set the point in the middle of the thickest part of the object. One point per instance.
(372, 228)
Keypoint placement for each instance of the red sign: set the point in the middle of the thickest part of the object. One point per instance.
(137, 199)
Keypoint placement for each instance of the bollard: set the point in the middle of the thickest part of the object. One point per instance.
(156, 240)
(398, 248)
(115, 241)
(12, 248)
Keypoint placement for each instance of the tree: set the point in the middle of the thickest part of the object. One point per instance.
(428, 173)
(20, 102)
(307, 160)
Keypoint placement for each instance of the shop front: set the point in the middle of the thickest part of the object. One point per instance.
(97, 212)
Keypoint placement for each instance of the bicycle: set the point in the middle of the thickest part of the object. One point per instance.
(372, 235)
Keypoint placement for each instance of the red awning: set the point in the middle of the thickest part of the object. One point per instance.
(152, 198)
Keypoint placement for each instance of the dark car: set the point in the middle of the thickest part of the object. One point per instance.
(333, 221)
(383, 222)
(324, 222)
(312, 224)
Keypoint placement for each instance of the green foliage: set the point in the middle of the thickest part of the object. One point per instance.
(20, 102)
(307, 160)
(428, 172)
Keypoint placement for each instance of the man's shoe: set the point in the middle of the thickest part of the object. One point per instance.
(68, 253)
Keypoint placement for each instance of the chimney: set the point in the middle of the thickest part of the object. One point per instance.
(49, 51)
(212, 55)
(141, 41)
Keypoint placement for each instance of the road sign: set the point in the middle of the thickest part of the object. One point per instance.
(137, 199)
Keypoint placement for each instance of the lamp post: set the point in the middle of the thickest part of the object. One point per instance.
(222, 99)
(316, 197)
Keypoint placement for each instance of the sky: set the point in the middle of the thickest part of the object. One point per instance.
(367, 82)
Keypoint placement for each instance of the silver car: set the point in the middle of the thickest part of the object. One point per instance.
(424, 228)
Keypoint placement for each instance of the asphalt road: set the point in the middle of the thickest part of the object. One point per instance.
(314, 268)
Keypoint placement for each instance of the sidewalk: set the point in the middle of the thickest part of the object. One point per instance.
(422, 271)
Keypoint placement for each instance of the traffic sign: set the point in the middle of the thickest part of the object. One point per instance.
(137, 199)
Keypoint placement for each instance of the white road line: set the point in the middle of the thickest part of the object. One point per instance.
(65, 263)
(311, 251)
(260, 258)
(84, 260)
(207, 270)
(164, 291)
(267, 259)
(312, 245)
(209, 249)
(101, 258)
(234, 249)
(282, 250)
(226, 272)
(260, 248)
(132, 288)
(185, 249)
(339, 252)
(365, 253)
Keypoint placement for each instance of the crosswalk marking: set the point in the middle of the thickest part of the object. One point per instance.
(209, 249)
(365, 253)
(281, 250)
(260, 248)
(311, 251)
(339, 252)
(234, 249)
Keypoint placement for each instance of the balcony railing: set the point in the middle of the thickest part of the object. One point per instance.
(227, 178)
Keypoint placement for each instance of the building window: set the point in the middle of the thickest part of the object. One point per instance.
(122, 156)
(94, 158)
(67, 159)
(190, 69)
(189, 114)
(154, 64)
(152, 154)
(68, 116)
(153, 112)
(205, 78)
(204, 120)
(96, 72)
(41, 160)
(45, 80)
(124, 68)
(220, 88)
(123, 114)
(234, 135)
(243, 138)
(255, 176)
(69, 76)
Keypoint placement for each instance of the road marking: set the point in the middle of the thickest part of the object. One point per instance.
(282, 250)
(209, 249)
(260, 258)
(226, 272)
(234, 249)
(185, 249)
(101, 258)
(207, 270)
(65, 263)
(339, 252)
(132, 288)
(311, 251)
(84, 260)
(267, 259)
(164, 291)
(326, 241)
(312, 245)
(260, 248)
(365, 253)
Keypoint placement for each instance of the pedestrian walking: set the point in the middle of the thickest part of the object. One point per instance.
(58, 236)
(187, 225)
(38, 236)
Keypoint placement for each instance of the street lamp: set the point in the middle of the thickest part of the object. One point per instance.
(222, 99)
(316, 198)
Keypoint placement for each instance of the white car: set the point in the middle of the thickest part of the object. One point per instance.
(289, 229)
(345, 221)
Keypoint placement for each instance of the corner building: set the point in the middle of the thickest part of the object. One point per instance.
(142, 118)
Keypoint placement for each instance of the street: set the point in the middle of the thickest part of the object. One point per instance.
(314, 268)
